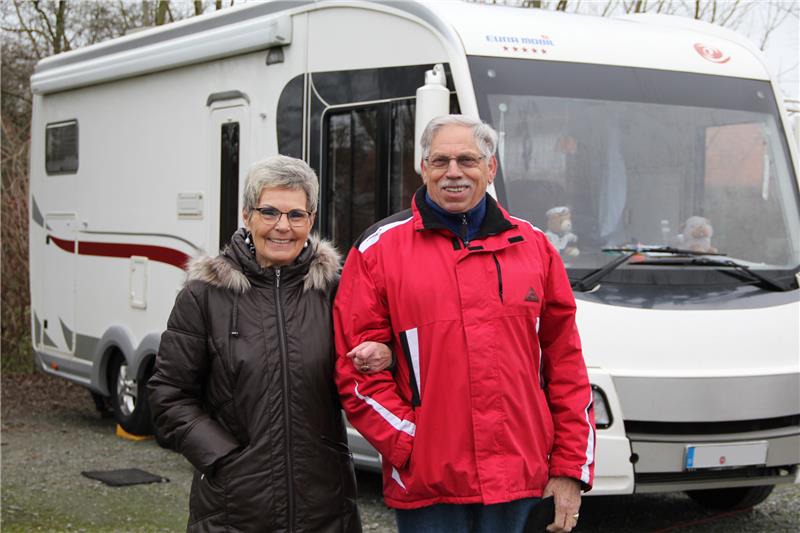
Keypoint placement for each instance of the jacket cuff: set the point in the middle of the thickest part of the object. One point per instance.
(401, 451)
(206, 443)
(572, 473)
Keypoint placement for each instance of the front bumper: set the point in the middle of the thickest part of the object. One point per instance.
(670, 420)
(660, 461)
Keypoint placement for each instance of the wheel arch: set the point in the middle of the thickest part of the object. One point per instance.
(118, 340)
(145, 356)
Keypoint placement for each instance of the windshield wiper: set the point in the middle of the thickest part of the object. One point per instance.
(590, 281)
(765, 281)
(712, 259)
(660, 250)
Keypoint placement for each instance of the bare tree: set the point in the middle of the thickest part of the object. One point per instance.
(773, 15)
(15, 309)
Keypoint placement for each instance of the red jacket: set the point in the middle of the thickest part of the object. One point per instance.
(471, 412)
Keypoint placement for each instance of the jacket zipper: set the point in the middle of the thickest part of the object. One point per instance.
(464, 229)
(286, 411)
(499, 277)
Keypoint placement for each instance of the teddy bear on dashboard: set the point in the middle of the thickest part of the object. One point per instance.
(559, 231)
(696, 235)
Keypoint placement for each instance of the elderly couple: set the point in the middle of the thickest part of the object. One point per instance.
(486, 408)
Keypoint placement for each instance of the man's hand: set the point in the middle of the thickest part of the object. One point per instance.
(371, 357)
(566, 493)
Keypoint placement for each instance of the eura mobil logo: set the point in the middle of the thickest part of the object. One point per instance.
(710, 53)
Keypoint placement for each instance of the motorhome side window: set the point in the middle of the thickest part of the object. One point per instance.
(61, 148)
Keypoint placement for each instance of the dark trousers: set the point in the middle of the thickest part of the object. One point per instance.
(467, 518)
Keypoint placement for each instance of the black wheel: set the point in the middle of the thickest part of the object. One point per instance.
(731, 499)
(102, 404)
(129, 398)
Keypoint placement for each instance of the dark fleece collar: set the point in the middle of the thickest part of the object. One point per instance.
(494, 221)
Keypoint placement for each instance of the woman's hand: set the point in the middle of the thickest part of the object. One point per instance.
(370, 357)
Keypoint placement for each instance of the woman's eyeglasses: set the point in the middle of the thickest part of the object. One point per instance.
(296, 217)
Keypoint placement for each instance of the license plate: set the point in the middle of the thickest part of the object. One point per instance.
(726, 455)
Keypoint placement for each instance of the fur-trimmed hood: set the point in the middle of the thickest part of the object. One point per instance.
(222, 270)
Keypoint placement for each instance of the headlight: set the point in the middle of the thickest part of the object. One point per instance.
(602, 414)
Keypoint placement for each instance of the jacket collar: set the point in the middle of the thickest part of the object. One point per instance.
(425, 218)
(235, 269)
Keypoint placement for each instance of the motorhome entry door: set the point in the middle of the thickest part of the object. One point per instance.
(57, 305)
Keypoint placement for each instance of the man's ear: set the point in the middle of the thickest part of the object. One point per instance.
(492, 168)
(423, 171)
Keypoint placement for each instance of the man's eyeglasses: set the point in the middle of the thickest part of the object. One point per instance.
(296, 217)
(440, 162)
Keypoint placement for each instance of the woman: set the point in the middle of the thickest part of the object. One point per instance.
(243, 382)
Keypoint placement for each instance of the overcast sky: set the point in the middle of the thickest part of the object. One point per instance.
(783, 45)
(783, 51)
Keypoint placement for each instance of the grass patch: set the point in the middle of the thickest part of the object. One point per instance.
(17, 357)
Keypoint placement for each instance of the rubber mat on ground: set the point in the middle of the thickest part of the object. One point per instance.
(124, 476)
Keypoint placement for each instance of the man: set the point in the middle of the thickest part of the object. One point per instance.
(488, 407)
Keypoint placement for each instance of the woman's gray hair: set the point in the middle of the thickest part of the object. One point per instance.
(485, 136)
(280, 172)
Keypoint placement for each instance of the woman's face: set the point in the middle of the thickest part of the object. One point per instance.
(278, 242)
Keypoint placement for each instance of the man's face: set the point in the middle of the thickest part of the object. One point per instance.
(458, 184)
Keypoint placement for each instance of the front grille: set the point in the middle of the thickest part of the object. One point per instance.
(711, 428)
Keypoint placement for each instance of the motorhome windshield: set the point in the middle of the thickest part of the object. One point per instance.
(642, 157)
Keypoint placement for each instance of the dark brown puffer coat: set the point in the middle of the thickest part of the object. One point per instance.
(243, 388)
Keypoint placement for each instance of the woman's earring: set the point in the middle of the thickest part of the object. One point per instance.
(248, 240)
(305, 245)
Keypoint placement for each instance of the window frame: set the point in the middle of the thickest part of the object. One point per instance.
(48, 164)
(382, 108)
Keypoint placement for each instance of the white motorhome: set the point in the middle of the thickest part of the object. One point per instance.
(140, 145)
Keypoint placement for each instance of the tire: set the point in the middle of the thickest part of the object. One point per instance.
(129, 398)
(731, 499)
(102, 404)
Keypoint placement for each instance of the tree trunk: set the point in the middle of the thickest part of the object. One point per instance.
(161, 12)
(147, 14)
(60, 37)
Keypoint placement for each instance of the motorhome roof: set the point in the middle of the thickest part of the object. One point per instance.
(650, 41)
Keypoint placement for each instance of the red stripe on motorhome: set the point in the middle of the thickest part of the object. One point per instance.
(108, 249)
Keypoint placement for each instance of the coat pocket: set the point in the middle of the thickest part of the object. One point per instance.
(346, 471)
(207, 497)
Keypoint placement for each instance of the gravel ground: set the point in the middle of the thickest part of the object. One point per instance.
(51, 432)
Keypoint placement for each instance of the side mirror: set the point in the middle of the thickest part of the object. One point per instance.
(433, 100)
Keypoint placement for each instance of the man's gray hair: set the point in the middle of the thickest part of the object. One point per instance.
(485, 136)
(280, 172)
